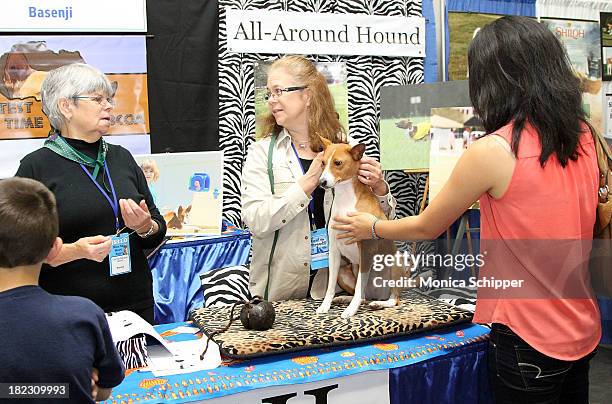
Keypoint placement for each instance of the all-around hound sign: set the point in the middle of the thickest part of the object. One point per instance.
(265, 31)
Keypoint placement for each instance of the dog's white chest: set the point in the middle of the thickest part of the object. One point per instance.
(345, 201)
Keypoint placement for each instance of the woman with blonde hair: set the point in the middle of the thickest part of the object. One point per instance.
(301, 110)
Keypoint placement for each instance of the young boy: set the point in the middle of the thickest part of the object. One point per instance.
(46, 338)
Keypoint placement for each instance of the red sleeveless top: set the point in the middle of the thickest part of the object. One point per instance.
(540, 232)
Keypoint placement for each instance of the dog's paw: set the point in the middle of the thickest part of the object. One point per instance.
(350, 311)
(352, 308)
(323, 308)
(342, 299)
(383, 304)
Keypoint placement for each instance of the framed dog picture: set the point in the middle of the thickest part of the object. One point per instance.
(408, 127)
(187, 188)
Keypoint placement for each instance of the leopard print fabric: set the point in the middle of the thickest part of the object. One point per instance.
(297, 326)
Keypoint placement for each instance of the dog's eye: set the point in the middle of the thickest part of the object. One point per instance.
(338, 163)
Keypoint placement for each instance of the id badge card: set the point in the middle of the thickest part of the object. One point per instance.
(119, 256)
(319, 249)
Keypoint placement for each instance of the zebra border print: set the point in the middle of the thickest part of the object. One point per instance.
(366, 76)
(225, 286)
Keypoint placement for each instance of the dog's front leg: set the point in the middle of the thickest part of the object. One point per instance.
(358, 297)
(359, 254)
(360, 286)
(334, 267)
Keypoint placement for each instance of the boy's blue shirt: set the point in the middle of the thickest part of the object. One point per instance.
(48, 338)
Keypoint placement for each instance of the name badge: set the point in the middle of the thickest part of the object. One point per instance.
(319, 249)
(119, 256)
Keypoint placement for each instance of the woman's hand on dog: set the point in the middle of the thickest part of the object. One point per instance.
(370, 174)
(310, 180)
(354, 227)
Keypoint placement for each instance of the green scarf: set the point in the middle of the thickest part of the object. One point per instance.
(56, 143)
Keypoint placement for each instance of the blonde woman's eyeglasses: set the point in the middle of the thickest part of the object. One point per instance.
(277, 92)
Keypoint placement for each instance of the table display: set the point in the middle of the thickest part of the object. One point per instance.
(298, 327)
(453, 358)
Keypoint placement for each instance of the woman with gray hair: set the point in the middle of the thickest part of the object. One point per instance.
(106, 212)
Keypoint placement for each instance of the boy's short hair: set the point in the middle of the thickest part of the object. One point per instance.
(28, 222)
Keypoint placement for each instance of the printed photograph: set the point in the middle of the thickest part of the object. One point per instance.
(452, 131)
(25, 61)
(187, 189)
(581, 39)
(406, 127)
(605, 20)
(462, 28)
(607, 63)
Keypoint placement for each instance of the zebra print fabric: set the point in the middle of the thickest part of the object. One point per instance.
(225, 286)
(133, 352)
(463, 298)
(366, 76)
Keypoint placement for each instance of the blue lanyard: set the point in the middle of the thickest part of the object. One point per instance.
(311, 204)
(114, 204)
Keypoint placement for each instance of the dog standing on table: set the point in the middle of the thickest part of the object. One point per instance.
(341, 172)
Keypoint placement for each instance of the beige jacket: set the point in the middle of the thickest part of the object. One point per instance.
(287, 211)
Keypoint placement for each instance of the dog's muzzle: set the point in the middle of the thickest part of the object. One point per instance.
(325, 184)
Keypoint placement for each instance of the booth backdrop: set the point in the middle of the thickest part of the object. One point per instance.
(366, 76)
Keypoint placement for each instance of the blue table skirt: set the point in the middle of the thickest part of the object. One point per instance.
(447, 365)
(459, 376)
(605, 308)
(176, 270)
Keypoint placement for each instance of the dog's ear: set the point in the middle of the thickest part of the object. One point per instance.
(325, 142)
(357, 151)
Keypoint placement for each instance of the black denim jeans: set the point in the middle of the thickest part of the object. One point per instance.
(520, 374)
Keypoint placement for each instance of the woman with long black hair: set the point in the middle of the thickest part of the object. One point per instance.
(536, 177)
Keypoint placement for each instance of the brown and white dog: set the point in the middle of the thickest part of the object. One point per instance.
(341, 173)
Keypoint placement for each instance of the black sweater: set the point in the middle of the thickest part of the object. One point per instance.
(83, 211)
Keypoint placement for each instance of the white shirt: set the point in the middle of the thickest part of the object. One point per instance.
(286, 211)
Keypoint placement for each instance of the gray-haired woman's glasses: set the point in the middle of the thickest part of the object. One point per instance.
(96, 98)
(277, 92)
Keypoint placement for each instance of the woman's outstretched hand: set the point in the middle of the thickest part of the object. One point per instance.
(354, 227)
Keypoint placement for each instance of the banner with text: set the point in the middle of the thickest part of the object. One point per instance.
(265, 31)
(24, 64)
(368, 387)
(74, 16)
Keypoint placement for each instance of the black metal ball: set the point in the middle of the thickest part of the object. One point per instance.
(257, 315)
